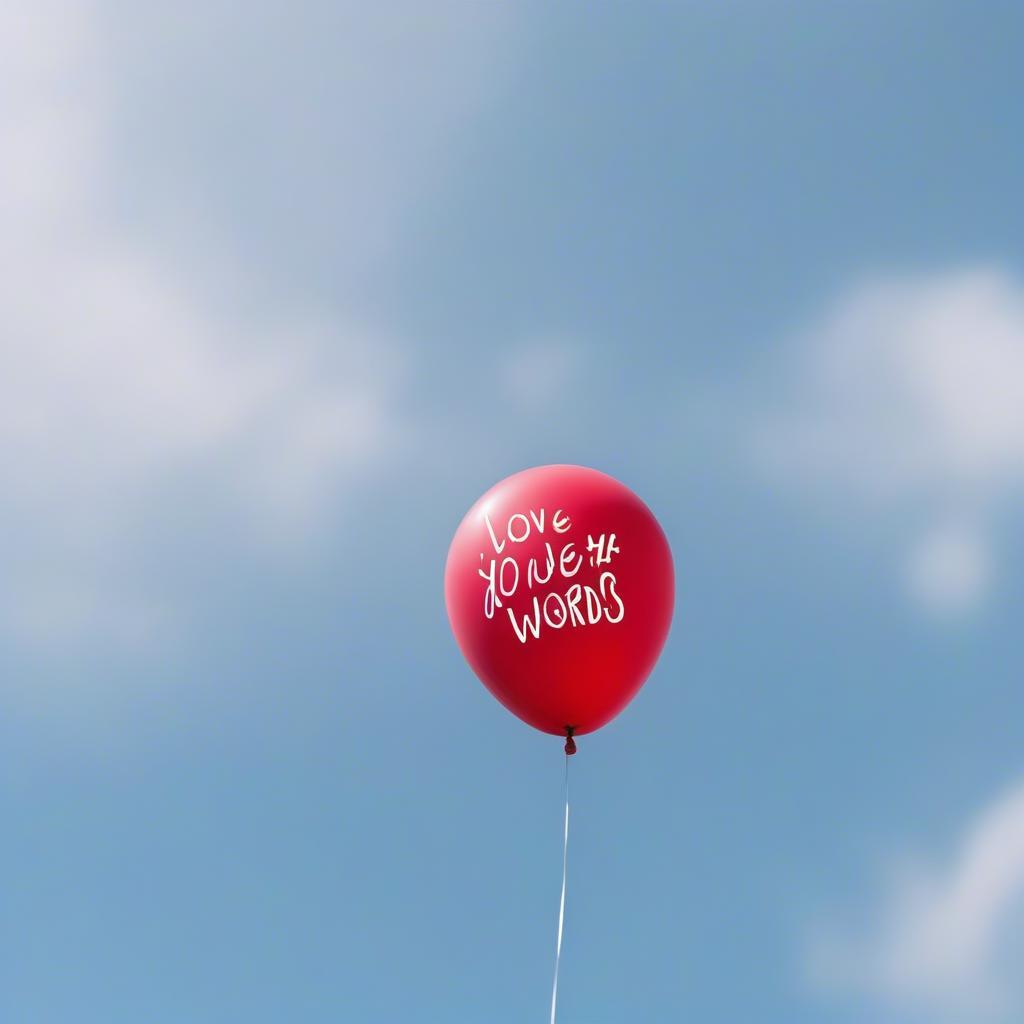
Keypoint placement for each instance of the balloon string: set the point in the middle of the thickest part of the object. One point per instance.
(561, 904)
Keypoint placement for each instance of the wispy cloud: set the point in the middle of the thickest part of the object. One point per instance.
(950, 571)
(908, 395)
(945, 942)
(127, 381)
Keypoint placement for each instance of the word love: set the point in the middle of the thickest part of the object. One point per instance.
(578, 604)
(518, 527)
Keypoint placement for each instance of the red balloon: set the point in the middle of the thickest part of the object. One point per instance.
(560, 589)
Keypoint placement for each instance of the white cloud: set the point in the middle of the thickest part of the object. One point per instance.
(945, 943)
(909, 397)
(126, 381)
(950, 571)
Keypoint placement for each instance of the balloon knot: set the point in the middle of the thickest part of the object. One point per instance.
(570, 743)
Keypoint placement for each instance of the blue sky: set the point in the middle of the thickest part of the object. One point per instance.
(285, 290)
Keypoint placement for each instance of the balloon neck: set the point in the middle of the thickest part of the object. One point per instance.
(570, 743)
